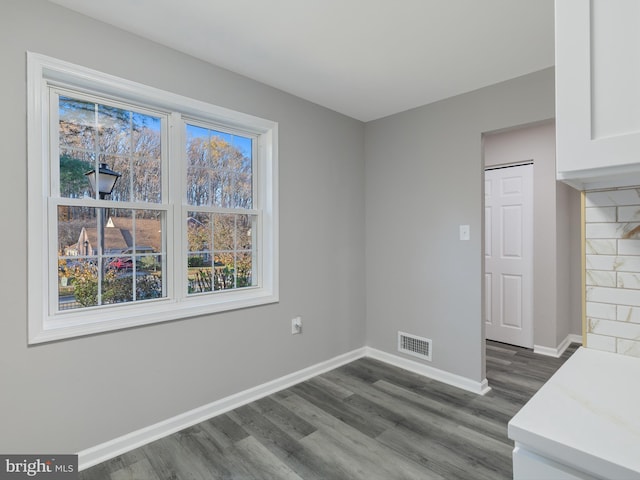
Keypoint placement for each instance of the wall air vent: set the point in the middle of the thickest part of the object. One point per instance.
(413, 345)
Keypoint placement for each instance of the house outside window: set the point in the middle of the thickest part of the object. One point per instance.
(190, 226)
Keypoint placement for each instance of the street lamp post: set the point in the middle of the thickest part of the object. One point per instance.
(106, 180)
(102, 183)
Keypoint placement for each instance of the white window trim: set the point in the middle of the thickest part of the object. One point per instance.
(43, 71)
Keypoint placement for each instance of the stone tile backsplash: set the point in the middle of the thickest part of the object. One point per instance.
(612, 234)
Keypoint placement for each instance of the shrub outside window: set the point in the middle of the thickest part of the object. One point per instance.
(189, 227)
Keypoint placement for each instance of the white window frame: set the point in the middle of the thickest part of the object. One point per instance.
(45, 325)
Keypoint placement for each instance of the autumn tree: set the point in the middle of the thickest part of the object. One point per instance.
(218, 174)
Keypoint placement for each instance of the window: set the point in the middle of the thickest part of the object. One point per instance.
(144, 206)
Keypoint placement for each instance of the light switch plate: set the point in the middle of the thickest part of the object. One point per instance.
(464, 232)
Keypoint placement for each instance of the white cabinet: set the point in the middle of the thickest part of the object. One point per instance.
(598, 92)
(530, 466)
(583, 423)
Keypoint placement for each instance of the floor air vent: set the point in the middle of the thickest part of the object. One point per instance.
(413, 345)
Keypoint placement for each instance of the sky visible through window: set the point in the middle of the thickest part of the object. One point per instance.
(242, 144)
(91, 115)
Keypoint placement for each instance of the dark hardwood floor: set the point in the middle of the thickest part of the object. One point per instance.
(366, 420)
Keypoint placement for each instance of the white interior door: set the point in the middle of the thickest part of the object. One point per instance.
(509, 255)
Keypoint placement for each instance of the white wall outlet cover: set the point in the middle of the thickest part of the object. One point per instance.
(465, 232)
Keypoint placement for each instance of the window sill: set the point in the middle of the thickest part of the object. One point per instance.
(82, 322)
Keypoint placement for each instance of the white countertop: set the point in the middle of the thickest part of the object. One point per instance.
(587, 415)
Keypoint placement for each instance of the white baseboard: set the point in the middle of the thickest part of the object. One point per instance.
(112, 448)
(559, 350)
(575, 338)
(480, 388)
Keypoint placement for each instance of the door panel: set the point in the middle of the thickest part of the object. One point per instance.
(509, 255)
(512, 231)
(512, 301)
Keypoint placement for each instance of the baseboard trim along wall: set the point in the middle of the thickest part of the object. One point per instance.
(480, 388)
(559, 350)
(112, 448)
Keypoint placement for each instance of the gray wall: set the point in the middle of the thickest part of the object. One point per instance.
(423, 180)
(554, 205)
(71, 395)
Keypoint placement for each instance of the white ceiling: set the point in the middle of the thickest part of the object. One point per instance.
(364, 58)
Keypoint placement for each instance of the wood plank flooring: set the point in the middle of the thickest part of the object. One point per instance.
(366, 420)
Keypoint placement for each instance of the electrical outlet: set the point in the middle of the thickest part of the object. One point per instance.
(296, 325)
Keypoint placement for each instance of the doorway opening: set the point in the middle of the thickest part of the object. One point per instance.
(556, 283)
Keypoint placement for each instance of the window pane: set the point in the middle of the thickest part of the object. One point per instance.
(77, 283)
(199, 188)
(199, 259)
(146, 148)
(122, 165)
(224, 232)
(224, 275)
(244, 268)
(73, 166)
(77, 132)
(219, 168)
(228, 261)
(149, 278)
(77, 231)
(114, 128)
(133, 232)
(146, 178)
(108, 256)
(125, 141)
(199, 232)
(117, 282)
(199, 275)
(246, 226)
(77, 124)
(118, 229)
